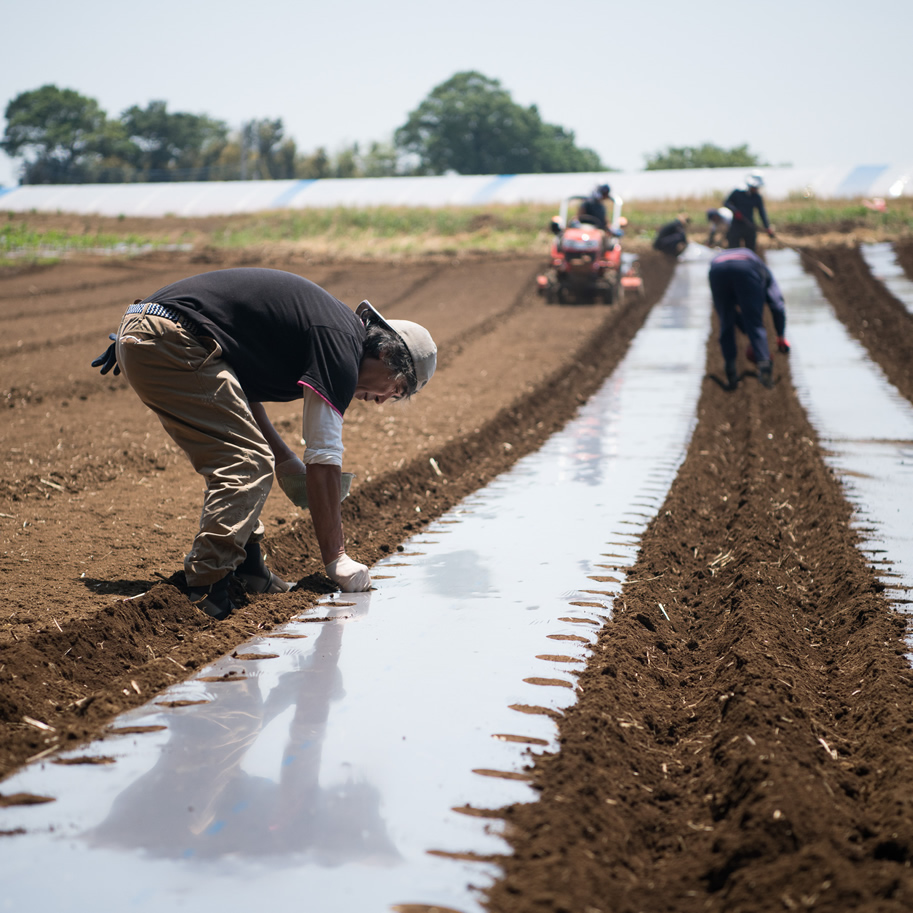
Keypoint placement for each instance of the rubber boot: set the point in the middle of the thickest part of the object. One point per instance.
(732, 375)
(256, 576)
(765, 374)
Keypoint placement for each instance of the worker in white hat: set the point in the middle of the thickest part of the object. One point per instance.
(742, 202)
(206, 352)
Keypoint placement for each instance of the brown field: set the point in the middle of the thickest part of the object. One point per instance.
(691, 774)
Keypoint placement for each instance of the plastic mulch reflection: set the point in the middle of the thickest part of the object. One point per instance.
(200, 801)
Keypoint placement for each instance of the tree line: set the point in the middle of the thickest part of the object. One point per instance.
(468, 124)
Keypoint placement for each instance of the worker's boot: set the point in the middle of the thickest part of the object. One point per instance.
(732, 375)
(782, 345)
(765, 374)
(213, 599)
(256, 576)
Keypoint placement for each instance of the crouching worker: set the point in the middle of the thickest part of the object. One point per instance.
(672, 238)
(720, 220)
(205, 352)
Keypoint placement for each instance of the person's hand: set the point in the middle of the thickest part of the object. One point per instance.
(108, 359)
(738, 216)
(292, 476)
(770, 233)
(351, 576)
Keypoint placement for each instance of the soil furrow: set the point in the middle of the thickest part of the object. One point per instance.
(741, 740)
(904, 252)
(521, 300)
(57, 345)
(749, 752)
(870, 313)
(36, 284)
(159, 638)
(29, 288)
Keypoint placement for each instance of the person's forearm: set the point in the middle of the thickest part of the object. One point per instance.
(324, 486)
(281, 450)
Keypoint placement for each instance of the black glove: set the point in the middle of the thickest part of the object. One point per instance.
(108, 359)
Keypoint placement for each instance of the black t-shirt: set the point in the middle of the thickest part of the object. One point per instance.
(277, 331)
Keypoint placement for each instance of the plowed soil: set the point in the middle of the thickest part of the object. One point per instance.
(751, 752)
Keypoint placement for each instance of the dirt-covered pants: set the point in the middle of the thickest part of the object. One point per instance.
(195, 393)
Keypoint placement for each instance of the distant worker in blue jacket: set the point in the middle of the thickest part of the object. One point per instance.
(742, 202)
(592, 209)
(741, 284)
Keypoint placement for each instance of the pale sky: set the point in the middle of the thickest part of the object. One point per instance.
(806, 82)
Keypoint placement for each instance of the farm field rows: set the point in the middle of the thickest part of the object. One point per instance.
(691, 774)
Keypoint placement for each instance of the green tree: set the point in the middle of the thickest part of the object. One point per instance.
(61, 135)
(270, 155)
(284, 158)
(314, 166)
(170, 146)
(471, 125)
(557, 151)
(346, 163)
(380, 161)
(705, 156)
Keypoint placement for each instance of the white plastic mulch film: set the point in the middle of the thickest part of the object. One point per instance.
(227, 197)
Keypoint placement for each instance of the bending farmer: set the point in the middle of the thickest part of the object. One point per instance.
(672, 238)
(720, 220)
(205, 352)
(741, 283)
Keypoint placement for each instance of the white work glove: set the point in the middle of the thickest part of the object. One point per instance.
(292, 477)
(351, 576)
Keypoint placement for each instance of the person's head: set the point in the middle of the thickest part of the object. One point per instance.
(713, 216)
(398, 359)
(603, 191)
(755, 181)
(684, 218)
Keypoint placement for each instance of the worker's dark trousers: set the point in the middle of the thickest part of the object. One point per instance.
(777, 312)
(736, 287)
(742, 234)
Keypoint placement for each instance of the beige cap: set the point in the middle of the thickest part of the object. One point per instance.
(418, 342)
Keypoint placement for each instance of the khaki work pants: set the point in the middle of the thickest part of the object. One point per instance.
(198, 398)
